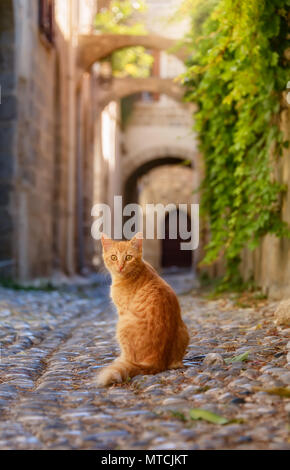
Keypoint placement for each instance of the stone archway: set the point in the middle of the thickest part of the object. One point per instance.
(165, 183)
(135, 166)
(119, 88)
(94, 47)
(130, 190)
(8, 117)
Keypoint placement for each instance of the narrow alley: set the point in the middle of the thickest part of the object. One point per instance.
(55, 342)
(181, 107)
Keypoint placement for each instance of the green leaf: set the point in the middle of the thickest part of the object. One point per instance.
(280, 391)
(240, 358)
(199, 413)
(118, 18)
(236, 76)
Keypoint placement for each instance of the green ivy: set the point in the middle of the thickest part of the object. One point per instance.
(237, 74)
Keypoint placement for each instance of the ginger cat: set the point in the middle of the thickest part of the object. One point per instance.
(150, 329)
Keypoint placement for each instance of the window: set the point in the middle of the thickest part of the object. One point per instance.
(46, 19)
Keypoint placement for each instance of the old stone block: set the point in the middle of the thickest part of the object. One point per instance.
(7, 37)
(6, 166)
(6, 137)
(282, 314)
(8, 108)
(7, 271)
(8, 82)
(5, 189)
(6, 55)
(6, 224)
(5, 247)
(6, 15)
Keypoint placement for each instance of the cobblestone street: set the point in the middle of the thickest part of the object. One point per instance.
(53, 343)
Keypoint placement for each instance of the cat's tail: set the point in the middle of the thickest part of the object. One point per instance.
(121, 370)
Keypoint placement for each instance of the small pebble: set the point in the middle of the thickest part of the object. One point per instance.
(54, 343)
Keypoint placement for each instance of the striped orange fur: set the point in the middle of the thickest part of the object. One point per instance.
(150, 331)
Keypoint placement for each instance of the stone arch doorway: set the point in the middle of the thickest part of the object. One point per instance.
(130, 192)
(171, 254)
(161, 183)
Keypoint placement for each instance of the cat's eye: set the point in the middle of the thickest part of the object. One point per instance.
(129, 257)
(114, 258)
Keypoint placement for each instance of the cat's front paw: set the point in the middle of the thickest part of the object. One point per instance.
(108, 376)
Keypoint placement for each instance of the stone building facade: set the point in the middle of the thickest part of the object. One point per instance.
(41, 99)
(8, 112)
(56, 161)
(269, 264)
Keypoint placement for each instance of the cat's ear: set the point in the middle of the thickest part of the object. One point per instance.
(107, 242)
(137, 241)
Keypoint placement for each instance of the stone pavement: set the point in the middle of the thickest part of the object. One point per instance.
(53, 343)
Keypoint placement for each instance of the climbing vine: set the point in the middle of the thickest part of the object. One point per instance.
(237, 74)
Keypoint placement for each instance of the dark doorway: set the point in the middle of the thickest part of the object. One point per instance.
(172, 255)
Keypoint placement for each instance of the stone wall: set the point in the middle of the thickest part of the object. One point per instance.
(40, 184)
(8, 115)
(35, 145)
(155, 130)
(270, 263)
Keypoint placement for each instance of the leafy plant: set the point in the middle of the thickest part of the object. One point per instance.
(119, 19)
(198, 11)
(199, 413)
(237, 74)
(240, 358)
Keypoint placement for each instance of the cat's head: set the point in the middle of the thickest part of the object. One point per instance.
(122, 257)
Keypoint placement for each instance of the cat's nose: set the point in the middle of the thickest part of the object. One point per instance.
(121, 268)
